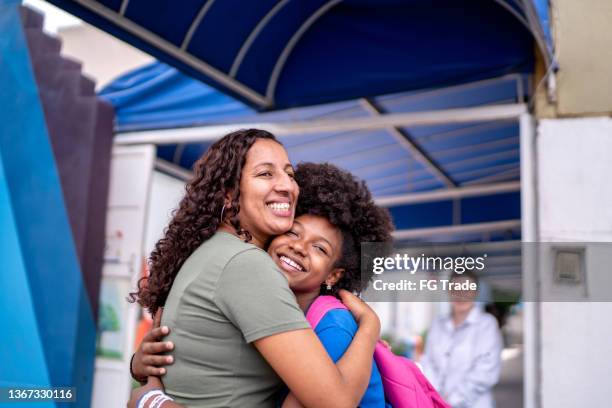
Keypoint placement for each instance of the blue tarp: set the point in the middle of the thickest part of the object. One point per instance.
(278, 54)
(157, 96)
(274, 55)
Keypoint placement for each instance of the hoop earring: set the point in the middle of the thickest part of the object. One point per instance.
(222, 211)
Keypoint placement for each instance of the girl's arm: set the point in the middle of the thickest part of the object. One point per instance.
(148, 359)
(336, 339)
(299, 358)
(153, 383)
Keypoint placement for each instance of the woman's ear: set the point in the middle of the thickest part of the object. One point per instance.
(227, 200)
(334, 276)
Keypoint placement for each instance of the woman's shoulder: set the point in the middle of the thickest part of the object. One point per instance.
(247, 264)
(228, 248)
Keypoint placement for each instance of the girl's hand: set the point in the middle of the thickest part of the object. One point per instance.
(147, 360)
(363, 314)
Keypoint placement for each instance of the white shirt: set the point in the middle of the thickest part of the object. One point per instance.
(463, 363)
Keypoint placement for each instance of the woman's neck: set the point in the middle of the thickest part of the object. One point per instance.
(305, 299)
(257, 241)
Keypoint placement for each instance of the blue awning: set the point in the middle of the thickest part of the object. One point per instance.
(278, 54)
(159, 97)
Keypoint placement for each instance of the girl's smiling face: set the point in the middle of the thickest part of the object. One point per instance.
(307, 254)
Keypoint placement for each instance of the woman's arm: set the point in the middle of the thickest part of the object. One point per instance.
(299, 358)
(301, 361)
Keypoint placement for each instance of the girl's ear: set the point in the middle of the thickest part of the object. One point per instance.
(334, 276)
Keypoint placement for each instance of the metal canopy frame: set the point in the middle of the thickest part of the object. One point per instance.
(406, 140)
(529, 20)
(214, 132)
(379, 121)
(449, 194)
(172, 50)
(481, 227)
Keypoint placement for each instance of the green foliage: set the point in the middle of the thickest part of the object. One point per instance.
(108, 320)
(398, 347)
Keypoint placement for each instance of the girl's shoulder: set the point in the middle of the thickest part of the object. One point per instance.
(339, 319)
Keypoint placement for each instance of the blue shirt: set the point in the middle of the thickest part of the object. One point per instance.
(336, 331)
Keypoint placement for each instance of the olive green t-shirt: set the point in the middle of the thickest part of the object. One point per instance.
(227, 294)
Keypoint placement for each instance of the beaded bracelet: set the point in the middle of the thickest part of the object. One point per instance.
(158, 404)
(144, 398)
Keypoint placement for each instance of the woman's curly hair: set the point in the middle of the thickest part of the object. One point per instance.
(198, 215)
(335, 194)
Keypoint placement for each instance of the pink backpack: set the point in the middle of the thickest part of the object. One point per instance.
(404, 384)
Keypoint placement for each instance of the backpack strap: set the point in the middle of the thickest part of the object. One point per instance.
(319, 308)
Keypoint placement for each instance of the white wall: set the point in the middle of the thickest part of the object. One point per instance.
(574, 169)
(107, 60)
(103, 56)
(129, 193)
(166, 192)
(582, 46)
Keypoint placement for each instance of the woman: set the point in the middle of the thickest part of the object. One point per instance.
(221, 290)
(320, 254)
(463, 351)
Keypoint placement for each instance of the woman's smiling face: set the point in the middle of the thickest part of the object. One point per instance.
(268, 191)
(308, 252)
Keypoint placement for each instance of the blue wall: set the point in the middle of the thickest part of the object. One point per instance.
(48, 329)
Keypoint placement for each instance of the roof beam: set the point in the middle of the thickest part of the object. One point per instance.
(416, 233)
(211, 133)
(428, 93)
(407, 141)
(282, 59)
(251, 38)
(449, 194)
(153, 39)
(173, 170)
(196, 23)
(496, 177)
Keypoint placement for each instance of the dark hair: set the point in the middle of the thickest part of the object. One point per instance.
(335, 194)
(198, 216)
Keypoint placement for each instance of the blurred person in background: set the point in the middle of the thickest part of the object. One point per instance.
(462, 356)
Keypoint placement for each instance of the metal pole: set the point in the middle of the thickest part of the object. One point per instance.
(210, 133)
(457, 229)
(449, 194)
(529, 230)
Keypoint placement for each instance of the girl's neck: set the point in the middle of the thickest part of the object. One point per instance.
(305, 299)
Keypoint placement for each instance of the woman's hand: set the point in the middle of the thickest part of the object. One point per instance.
(147, 360)
(363, 314)
(153, 383)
